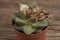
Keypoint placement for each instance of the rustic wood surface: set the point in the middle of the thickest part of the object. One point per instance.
(7, 7)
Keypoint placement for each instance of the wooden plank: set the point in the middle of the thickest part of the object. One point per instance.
(9, 1)
(52, 38)
(55, 23)
(53, 34)
(57, 28)
(10, 31)
(8, 38)
(44, 3)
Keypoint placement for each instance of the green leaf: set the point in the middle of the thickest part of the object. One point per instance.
(17, 14)
(20, 15)
(17, 27)
(41, 24)
(28, 29)
(20, 20)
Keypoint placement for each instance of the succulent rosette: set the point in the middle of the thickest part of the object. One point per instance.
(31, 18)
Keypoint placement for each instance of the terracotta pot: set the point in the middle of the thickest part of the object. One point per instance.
(37, 36)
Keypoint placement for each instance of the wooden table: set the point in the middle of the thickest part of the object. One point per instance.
(7, 7)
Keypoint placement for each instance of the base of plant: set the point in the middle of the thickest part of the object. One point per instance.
(33, 32)
(35, 36)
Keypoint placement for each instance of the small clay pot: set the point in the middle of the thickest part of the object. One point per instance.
(36, 36)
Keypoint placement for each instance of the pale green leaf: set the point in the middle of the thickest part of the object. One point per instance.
(41, 24)
(19, 20)
(20, 15)
(28, 29)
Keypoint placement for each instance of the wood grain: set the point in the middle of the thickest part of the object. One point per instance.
(8, 7)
